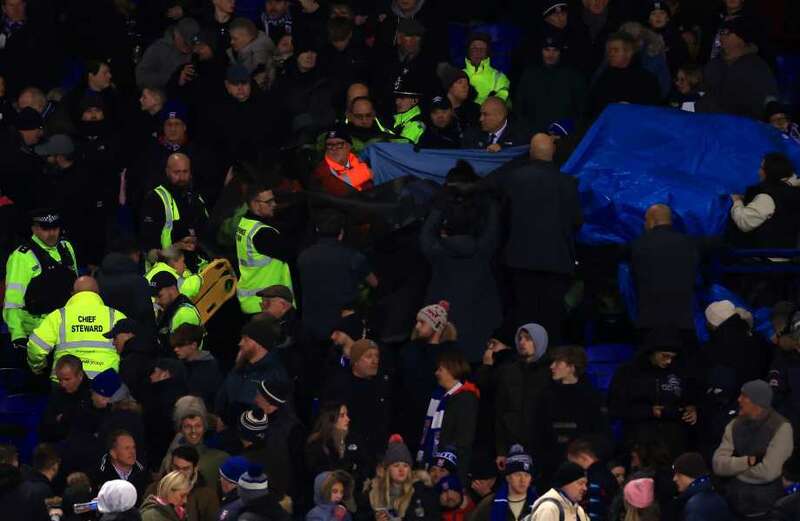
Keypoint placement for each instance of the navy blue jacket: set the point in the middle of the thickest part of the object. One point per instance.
(701, 503)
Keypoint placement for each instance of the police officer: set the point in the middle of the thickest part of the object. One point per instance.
(172, 202)
(176, 308)
(408, 119)
(261, 252)
(77, 329)
(39, 277)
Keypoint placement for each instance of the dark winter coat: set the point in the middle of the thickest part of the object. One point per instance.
(700, 502)
(548, 94)
(62, 410)
(139, 476)
(264, 508)
(740, 87)
(203, 377)
(136, 363)
(321, 458)
(461, 273)
(786, 508)
(664, 264)
(369, 407)
(637, 387)
(631, 85)
(545, 215)
(306, 107)
(515, 134)
(238, 391)
(33, 491)
(12, 500)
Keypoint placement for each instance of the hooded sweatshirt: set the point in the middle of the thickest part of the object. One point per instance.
(325, 509)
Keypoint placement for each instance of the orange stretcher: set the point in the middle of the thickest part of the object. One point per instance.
(219, 285)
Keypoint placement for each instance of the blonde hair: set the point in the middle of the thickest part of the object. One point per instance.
(173, 482)
(651, 513)
(380, 496)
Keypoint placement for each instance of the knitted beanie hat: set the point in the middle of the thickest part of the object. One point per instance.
(359, 348)
(518, 460)
(253, 425)
(115, 496)
(446, 459)
(639, 493)
(253, 484)
(567, 473)
(759, 392)
(351, 325)
(435, 315)
(233, 468)
(397, 452)
(720, 311)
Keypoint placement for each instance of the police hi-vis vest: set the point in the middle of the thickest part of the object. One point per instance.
(76, 329)
(257, 271)
(171, 214)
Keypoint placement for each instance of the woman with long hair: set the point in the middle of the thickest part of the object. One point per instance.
(331, 445)
(396, 493)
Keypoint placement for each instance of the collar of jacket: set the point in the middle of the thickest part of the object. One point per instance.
(485, 64)
(404, 117)
(86, 298)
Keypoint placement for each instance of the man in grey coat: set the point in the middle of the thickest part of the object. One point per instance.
(753, 449)
(166, 55)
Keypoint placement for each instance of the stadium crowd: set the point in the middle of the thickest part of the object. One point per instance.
(381, 360)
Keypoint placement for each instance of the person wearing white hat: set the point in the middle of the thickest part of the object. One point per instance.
(116, 500)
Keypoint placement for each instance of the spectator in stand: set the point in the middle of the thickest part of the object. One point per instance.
(432, 336)
(623, 80)
(452, 412)
(202, 502)
(333, 491)
(713, 29)
(753, 450)
(639, 500)
(541, 259)
(97, 81)
(27, 51)
(203, 376)
(216, 18)
(514, 499)
(653, 394)
(255, 362)
(252, 49)
(168, 54)
(18, 160)
(482, 477)
(664, 263)
(456, 87)
(414, 500)
(571, 407)
(454, 504)
(120, 463)
(169, 501)
(365, 391)
(768, 212)
(660, 20)
(738, 81)
(497, 130)
(257, 499)
(444, 129)
(576, 50)
(779, 116)
(167, 385)
(343, 59)
(332, 274)
(484, 78)
(519, 386)
(786, 508)
(563, 500)
(697, 499)
(38, 485)
(688, 88)
(65, 402)
(137, 355)
(334, 446)
(551, 91)
(191, 422)
(459, 239)
(601, 487)
(229, 473)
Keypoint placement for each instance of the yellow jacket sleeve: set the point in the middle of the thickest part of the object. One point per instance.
(19, 272)
(42, 341)
(185, 315)
(190, 286)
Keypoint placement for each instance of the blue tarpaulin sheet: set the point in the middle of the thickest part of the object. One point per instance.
(392, 160)
(634, 156)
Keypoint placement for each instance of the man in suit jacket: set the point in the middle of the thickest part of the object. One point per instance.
(497, 130)
(545, 215)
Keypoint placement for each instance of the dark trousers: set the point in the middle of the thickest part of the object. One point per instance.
(539, 297)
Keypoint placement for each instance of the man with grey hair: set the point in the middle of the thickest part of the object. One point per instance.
(753, 449)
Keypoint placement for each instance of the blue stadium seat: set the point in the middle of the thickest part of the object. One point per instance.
(20, 415)
(604, 359)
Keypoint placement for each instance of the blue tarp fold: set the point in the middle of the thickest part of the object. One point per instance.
(634, 156)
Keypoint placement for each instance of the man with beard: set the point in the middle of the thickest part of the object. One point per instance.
(256, 361)
(172, 202)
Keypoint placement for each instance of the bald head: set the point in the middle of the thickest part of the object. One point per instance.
(493, 114)
(657, 215)
(356, 90)
(543, 147)
(179, 170)
(85, 283)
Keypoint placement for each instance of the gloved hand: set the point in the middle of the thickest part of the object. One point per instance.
(20, 343)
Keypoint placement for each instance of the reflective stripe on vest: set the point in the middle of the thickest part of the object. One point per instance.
(171, 214)
(36, 339)
(250, 259)
(258, 271)
(62, 334)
